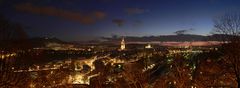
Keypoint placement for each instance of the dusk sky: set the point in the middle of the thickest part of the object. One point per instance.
(74, 20)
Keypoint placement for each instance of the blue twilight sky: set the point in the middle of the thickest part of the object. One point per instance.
(72, 20)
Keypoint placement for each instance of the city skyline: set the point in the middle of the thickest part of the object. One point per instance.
(119, 44)
(78, 20)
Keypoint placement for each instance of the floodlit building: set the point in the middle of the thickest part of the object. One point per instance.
(148, 46)
(123, 46)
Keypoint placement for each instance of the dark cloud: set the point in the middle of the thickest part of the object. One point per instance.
(180, 32)
(122, 22)
(133, 11)
(83, 18)
(99, 15)
(118, 22)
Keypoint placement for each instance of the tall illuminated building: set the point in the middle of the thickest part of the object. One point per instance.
(123, 46)
(148, 46)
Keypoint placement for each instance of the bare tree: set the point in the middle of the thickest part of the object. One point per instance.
(12, 35)
(9, 78)
(10, 31)
(210, 73)
(229, 26)
(178, 75)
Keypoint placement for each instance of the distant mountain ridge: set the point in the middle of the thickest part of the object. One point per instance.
(162, 38)
(165, 38)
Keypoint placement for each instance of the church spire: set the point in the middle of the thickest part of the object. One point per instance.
(122, 44)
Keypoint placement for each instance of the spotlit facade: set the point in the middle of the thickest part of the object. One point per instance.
(123, 46)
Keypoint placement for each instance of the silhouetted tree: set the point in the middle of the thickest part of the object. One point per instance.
(178, 75)
(54, 78)
(10, 31)
(9, 78)
(229, 26)
(12, 35)
(210, 73)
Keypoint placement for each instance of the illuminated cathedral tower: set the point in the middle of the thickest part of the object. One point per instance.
(122, 44)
